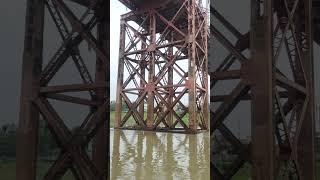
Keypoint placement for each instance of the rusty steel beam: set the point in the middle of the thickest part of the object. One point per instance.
(143, 65)
(306, 140)
(58, 58)
(118, 115)
(71, 88)
(170, 84)
(225, 75)
(85, 3)
(72, 99)
(247, 97)
(192, 65)
(101, 140)
(27, 132)
(36, 92)
(261, 75)
(150, 87)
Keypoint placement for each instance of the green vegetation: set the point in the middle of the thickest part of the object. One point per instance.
(243, 174)
(113, 106)
(8, 170)
(8, 145)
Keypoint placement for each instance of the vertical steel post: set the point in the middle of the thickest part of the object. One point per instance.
(205, 75)
(170, 83)
(306, 151)
(151, 85)
(101, 140)
(120, 74)
(143, 74)
(192, 66)
(27, 133)
(261, 78)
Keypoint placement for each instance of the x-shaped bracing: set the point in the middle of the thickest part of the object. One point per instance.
(72, 144)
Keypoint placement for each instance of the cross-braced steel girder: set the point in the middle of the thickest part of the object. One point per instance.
(163, 65)
(37, 90)
(277, 78)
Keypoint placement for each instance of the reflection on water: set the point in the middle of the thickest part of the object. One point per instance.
(143, 155)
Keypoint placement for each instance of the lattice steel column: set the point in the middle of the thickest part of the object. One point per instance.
(277, 78)
(38, 90)
(167, 42)
(150, 87)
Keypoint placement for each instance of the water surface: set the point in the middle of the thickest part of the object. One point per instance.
(140, 155)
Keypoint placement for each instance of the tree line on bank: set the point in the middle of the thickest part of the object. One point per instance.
(125, 108)
(47, 144)
(8, 135)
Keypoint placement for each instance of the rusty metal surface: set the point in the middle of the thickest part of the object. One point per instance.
(282, 100)
(36, 91)
(163, 64)
(27, 132)
(145, 4)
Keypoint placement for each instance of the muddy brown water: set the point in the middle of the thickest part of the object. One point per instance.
(140, 155)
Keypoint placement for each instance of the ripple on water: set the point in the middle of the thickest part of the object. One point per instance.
(139, 155)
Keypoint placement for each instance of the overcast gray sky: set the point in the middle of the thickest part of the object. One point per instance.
(12, 14)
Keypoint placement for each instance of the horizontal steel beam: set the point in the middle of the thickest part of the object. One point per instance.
(71, 88)
(86, 3)
(71, 99)
(247, 97)
(227, 106)
(226, 75)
